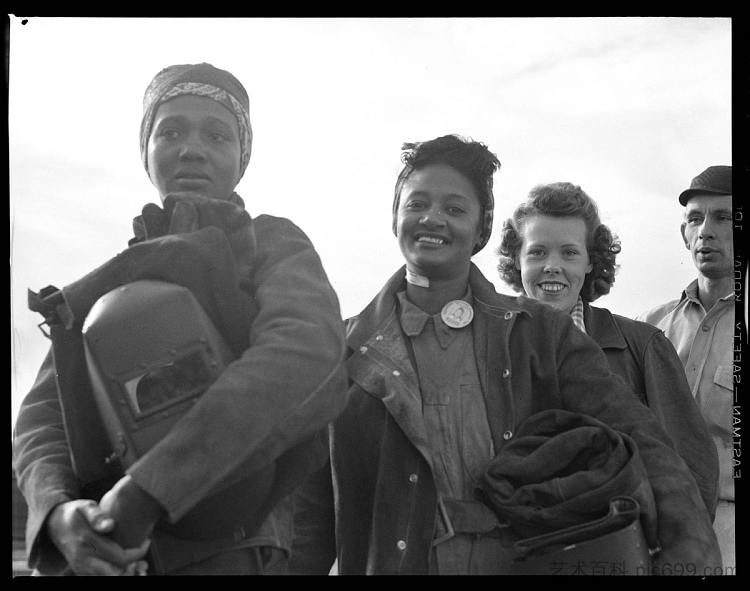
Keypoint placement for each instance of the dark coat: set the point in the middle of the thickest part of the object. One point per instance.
(562, 470)
(378, 492)
(278, 393)
(644, 357)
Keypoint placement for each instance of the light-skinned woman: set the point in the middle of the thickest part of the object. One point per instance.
(555, 249)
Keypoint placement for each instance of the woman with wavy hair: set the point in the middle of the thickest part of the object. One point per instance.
(555, 249)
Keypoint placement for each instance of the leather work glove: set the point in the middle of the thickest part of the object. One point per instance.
(152, 223)
(188, 212)
(180, 215)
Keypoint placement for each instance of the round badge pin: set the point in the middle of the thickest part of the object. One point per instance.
(457, 313)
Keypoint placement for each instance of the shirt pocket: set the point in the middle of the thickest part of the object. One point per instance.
(723, 376)
(718, 404)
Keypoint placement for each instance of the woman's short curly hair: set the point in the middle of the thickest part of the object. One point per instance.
(562, 200)
(471, 158)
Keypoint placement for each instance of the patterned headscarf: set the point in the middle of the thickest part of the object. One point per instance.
(200, 80)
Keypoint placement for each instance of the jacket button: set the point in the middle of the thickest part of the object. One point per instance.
(379, 337)
(401, 545)
(508, 315)
(506, 373)
(363, 350)
(704, 328)
(396, 372)
(413, 478)
(507, 435)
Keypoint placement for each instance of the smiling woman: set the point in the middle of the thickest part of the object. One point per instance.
(442, 218)
(554, 260)
(438, 222)
(555, 249)
(444, 373)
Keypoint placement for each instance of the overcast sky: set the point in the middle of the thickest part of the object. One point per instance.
(629, 108)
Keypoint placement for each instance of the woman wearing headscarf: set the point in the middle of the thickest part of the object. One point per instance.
(262, 284)
(442, 373)
(555, 249)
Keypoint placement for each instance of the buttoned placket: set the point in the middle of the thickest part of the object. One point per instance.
(505, 383)
(378, 344)
(703, 338)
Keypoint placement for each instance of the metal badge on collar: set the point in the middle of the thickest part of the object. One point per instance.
(457, 313)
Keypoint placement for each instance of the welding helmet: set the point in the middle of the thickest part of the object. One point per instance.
(151, 352)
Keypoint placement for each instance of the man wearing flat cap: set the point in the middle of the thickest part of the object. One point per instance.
(700, 325)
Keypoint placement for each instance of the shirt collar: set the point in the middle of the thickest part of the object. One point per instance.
(411, 316)
(413, 319)
(691, 293)
(577, 315)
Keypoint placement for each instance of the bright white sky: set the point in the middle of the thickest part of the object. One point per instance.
(629, 108)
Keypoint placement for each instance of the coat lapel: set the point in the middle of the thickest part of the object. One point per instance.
(379, 363)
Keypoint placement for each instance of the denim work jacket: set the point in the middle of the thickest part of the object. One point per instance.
(373, 508)
(645, 358)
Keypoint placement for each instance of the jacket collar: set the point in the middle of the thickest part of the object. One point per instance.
(601, 326)
(362, 326)
(494, 303)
